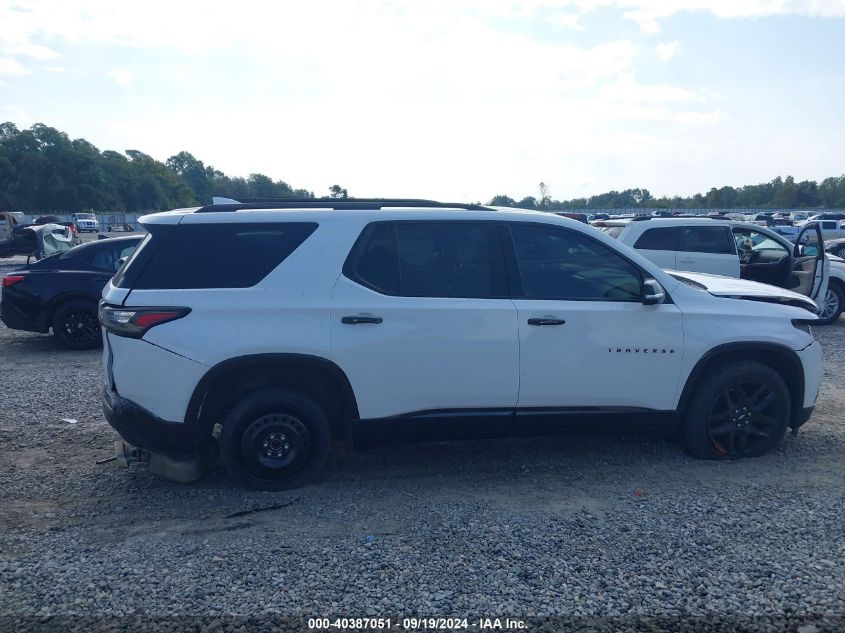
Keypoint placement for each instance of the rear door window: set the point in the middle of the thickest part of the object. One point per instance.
(707, 239)
(659, 239)
(430, 259)
(230, 255)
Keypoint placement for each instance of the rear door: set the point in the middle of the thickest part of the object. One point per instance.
(708, 249)
(421, 319)
(660, 245)
(810, 265)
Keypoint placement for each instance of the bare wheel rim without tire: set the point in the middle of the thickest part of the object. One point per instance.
(830, 306)
(744, 417)
(276, 446)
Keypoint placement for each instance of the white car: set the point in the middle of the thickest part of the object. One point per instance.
(264, 331)
(737, 249)
(86, 222)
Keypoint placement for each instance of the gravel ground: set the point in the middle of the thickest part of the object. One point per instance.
(595, 531)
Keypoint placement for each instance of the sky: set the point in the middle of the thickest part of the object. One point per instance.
(449, 99)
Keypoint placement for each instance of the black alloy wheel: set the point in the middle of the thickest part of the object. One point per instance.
(744, 417)
(739, 408)
(75, 325)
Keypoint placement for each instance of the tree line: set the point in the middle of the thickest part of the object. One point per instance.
(42, 169)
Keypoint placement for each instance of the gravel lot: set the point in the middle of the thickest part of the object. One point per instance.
(605, 531)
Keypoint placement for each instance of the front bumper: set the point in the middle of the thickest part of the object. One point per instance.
(811, 363)
(143, 429)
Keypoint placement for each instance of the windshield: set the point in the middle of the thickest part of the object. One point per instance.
(86, 216)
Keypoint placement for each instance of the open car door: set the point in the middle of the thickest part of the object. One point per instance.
(809, 264)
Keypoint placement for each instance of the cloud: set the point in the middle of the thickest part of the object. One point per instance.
(666, 50)
(568, 20)
(55, 69)
(11, 66)
(121, 77)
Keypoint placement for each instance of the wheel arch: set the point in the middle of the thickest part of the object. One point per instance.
(319, 378)
(59, 300)
(779, 357)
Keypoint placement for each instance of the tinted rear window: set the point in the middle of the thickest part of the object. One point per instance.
(707, 239)
(662, 239)
(430, 259)
(231, 255)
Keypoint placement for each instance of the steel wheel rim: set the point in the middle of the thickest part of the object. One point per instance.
(80, 327)
(276, 446)
(831, 304)
(744, 417)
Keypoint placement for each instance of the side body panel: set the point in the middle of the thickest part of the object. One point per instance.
(427, 353)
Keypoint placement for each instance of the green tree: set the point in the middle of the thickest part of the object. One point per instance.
(336, 191)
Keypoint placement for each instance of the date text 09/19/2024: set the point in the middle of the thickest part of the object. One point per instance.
(416, 624)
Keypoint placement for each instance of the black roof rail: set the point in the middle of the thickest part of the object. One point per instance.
(334, 203)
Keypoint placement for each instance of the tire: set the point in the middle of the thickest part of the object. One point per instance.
(274, 439)
(754, 424)
(834, 302)
(75, 325)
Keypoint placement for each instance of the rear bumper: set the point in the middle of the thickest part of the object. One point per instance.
(143, 429)
(17, 318)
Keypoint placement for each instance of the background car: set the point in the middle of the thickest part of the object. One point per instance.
(62, 291)
(733, 249)
(835, 247)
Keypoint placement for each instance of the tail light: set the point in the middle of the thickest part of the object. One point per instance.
(11, 280)
(135, 322)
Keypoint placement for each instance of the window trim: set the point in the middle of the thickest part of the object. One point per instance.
(515, 277)
(350, 265)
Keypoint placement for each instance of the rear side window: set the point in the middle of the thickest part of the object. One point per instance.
(707, 239)
(662, 239)
(231, 255)
(430, 259)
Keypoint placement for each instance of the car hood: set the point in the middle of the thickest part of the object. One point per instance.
(733, 288)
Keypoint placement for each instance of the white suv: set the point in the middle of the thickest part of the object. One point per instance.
(262, 331)
(738, 249)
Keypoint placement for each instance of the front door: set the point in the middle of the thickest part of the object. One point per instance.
(809, 264)
(586, 339)
(421, 320)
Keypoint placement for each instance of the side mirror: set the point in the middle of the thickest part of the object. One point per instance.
(810, 250)
(653, 292)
